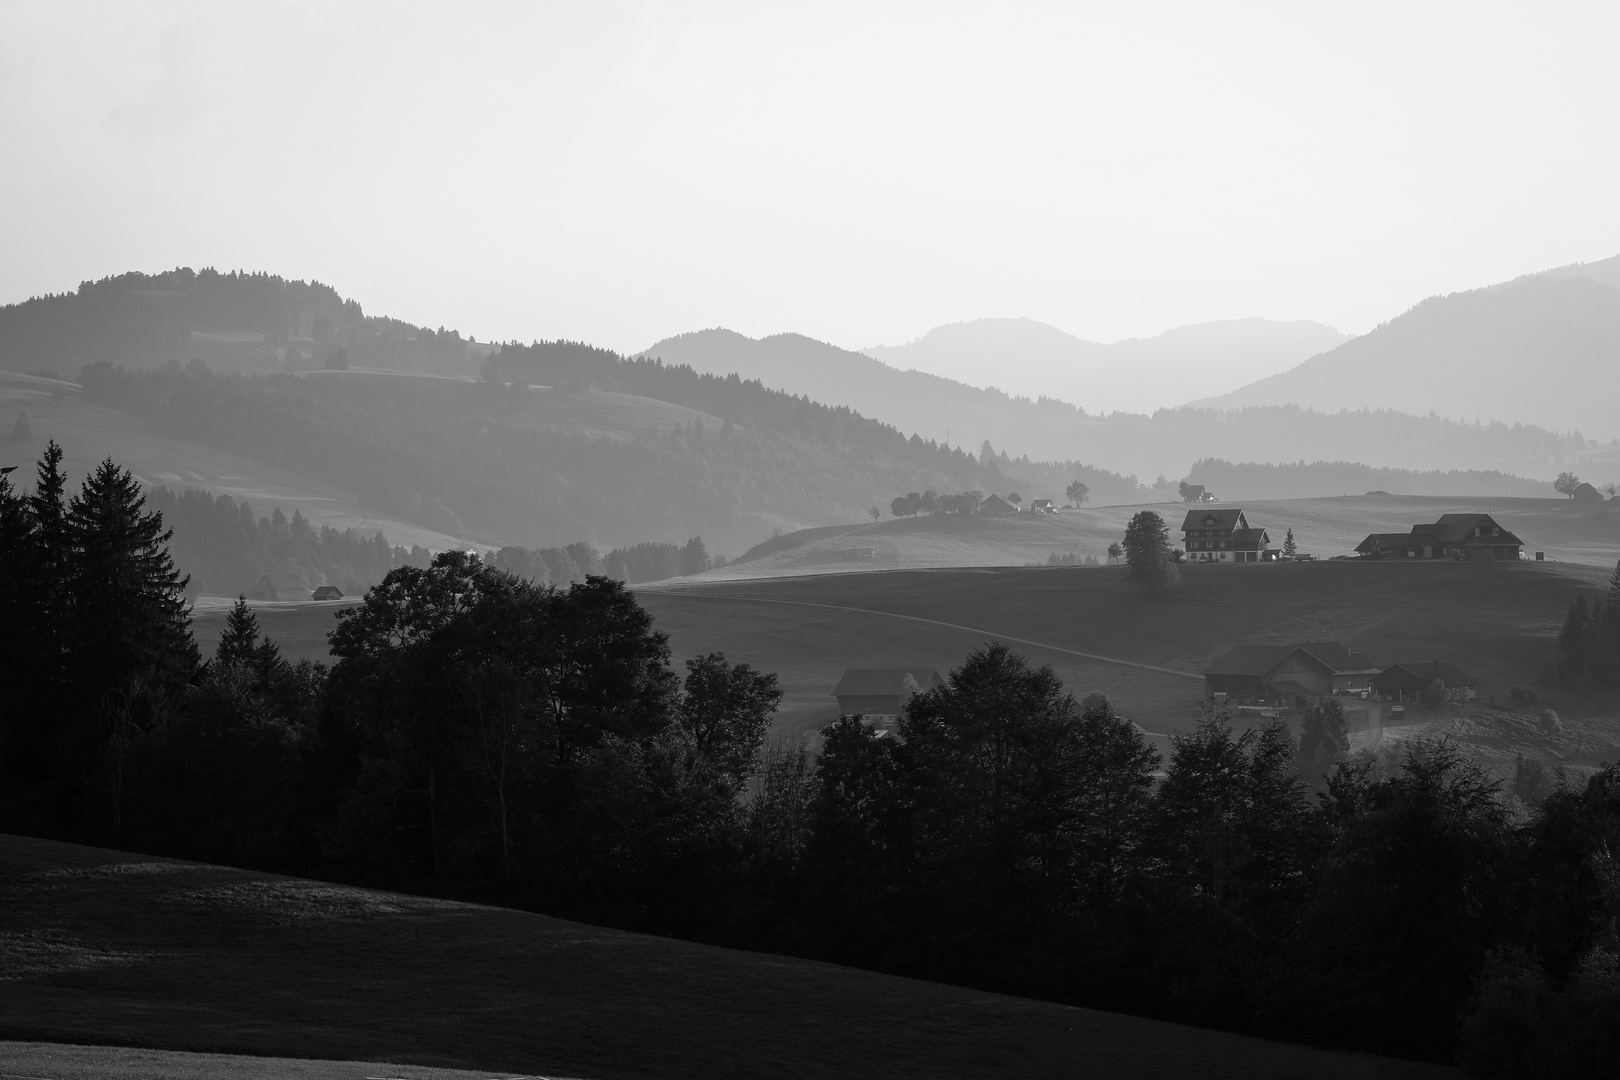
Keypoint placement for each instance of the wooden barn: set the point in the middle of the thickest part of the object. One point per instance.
(279, 587)
(328, 592)
(1407, 681)
(1288, 676)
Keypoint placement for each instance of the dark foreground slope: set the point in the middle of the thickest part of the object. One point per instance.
(103, 947)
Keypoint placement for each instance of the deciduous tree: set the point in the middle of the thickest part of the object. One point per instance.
(1147, 552)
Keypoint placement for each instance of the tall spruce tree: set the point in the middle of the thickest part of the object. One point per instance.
(131, 624)
(239, 641)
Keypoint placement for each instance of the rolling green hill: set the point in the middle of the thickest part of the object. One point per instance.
(105, 947)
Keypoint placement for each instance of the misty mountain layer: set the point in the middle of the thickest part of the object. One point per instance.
(1541, 350)
(1166, 442)
(1023, 356)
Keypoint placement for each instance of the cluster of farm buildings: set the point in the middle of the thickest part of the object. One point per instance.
(1289, 676)
(1225, 535)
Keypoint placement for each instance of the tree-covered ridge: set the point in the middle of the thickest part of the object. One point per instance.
(1302, 480)
(464, 459)
(141, 320)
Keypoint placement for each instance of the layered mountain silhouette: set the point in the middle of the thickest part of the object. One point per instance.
(1543, 349)
(1023, 356)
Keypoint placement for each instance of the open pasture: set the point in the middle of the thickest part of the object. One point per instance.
(116, 949)
(1495, 621)
(1564, 530)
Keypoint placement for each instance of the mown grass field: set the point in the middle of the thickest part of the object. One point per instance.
(1565, 531)
(109, 948)
(1495, 621)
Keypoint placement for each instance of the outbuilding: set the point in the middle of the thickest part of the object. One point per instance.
(1408, 681)
(328, 592)
(279, 587)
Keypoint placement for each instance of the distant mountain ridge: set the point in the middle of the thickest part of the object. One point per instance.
(1024, 356)
(1543, 349)
(1166, 442)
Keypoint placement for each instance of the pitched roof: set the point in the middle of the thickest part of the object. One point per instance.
(885, 682)
(995, 504)
(1249, 536)
(1460, 527)
(1425, 672)
(1384, 542)
(1337, 657)
(1210, 518)
(1259, 660)
(283, 581)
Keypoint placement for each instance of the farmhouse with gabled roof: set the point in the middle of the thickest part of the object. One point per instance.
(880, 693)
(1287, 675)
(1223, 535)
(1455, 536)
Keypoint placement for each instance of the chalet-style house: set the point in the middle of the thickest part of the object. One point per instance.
(878, 694)
(1287, 676)
(1224, 536)
(328, 592)
(1406, 682)
(996, 506)
(1042, 506)
(1454, 536)
(279, 587)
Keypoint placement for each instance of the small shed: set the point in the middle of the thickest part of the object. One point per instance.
(328, 592)
(1407, 681)
(279, 587)
(880, 693)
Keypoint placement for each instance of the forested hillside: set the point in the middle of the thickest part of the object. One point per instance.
(1300, 480)
(1166, 441)
(491, 460)
(251, 322)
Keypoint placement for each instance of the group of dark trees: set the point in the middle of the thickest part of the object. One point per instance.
(1308, 480)
(932, 502)
(1589, 640)
(225, 548)
(484, 735)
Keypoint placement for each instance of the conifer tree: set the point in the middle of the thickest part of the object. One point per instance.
(131, 623)
(240, 638)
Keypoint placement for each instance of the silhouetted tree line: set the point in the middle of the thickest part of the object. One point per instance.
(1302, 480)
(1589, 640)
(225, 548)
(932, 502)
(487, 736)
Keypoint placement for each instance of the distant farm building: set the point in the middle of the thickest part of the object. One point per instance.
(1455, 536)
(996, 506)
(1042, 506)
(879, 694)
(279, 587)
(1224, 536)
(1406, 682)
(328, 592)
(1288, 676)
(1586, 493)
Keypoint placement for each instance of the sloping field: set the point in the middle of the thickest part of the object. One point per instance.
(104, 947)
(89, 433)
(1565, 531)
(1495, 621)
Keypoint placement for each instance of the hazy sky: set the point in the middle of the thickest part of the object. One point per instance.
(618, 172)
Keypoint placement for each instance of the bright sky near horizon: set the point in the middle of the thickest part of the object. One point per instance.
(858, 172)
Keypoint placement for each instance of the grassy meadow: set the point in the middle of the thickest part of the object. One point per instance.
(1564, 530)
(1496, 622)
(104, 947)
